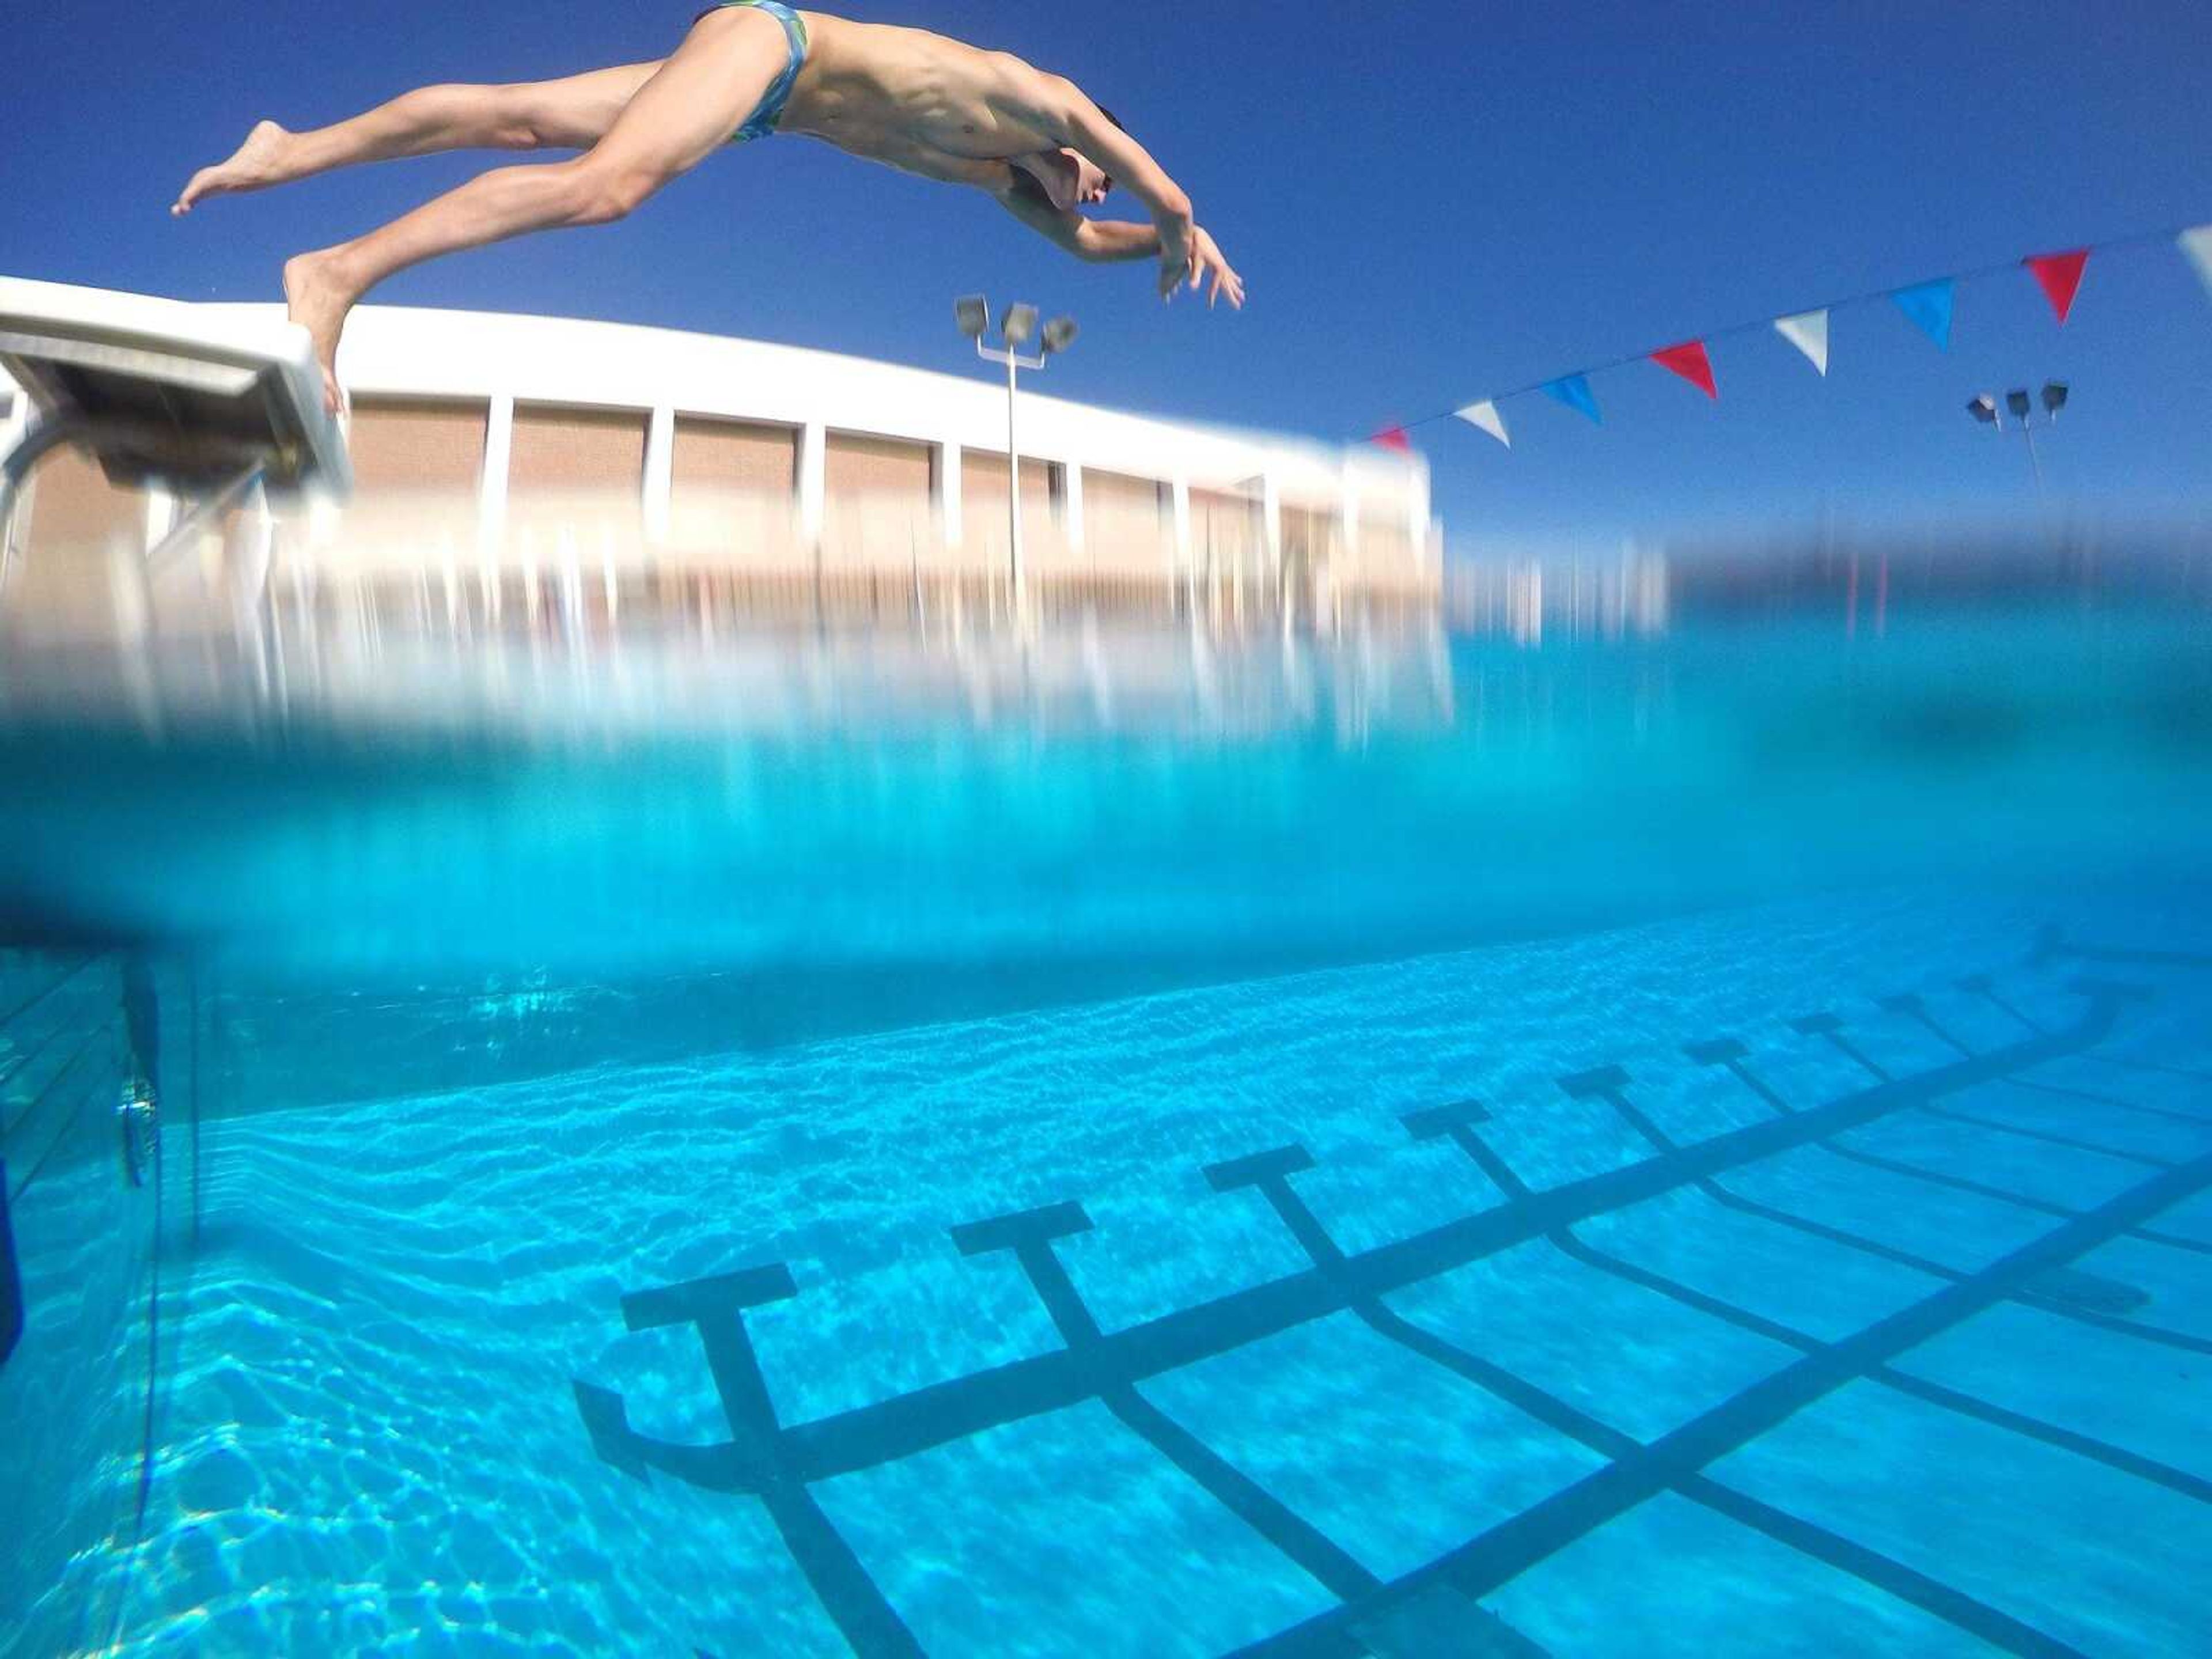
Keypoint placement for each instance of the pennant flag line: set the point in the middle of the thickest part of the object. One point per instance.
(1808, 331)
(1574, 390)
(1689, 360)
(1483, 417)
(2060, 275)
(1930, 306)
(2196, 247)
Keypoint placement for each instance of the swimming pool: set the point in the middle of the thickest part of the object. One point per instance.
(1683, 1145)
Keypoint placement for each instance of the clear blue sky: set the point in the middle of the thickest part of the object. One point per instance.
(1430, 200)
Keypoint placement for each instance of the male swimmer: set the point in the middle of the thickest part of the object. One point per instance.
(911, 99)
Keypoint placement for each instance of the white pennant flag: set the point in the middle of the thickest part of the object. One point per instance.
(1808, 331)
(1484, 416)
(2197, 244)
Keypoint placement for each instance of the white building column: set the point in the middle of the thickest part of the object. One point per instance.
(1271, 519)
(1181, 489)
(1416, 514)
(949, 491)
(813, 477)
(659, 472)
(1070, 504)
(499, 453)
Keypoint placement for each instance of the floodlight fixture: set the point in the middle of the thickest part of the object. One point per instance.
(1019, 329)
(2054, 397)
(2016, 400)
(1984, 410)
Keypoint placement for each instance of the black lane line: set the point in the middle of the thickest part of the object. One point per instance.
(1457, 1123)
(1272, 1178)
(2000, 1629)
(940, 1412)
(1911, 1008)
(1295, 1537)
(1483, 1563)
(1273, 1173)
(1719, 1053)
(1030, 1236)
(1611, 1085)
(149, 1448)
(60, 1029)
(2082, 1445)
(1829, 1028)
(1581, 1250)
(11, 1278)
(197, 1114)
(2197, 1119)
(1966, 1405)
(51, 986)
(2131, 1064)
(1934, 1269)
(2000, 1194)
(2146, 1159)
(1743, 1319)
(2052, 943)
(1772, 1098)
(51, 1091)
(716, 1309)
(1982, 986)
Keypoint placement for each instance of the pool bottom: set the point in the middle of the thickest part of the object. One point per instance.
(1682, 1289)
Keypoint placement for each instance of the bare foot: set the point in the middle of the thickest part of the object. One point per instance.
(258, 164)
(318, 301)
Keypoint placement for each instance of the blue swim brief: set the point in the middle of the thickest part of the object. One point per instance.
(762, 122)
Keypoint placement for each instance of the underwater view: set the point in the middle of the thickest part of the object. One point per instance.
(1382, 1145)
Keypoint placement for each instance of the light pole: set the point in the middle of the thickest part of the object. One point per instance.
(974, 316)
(1984, 410)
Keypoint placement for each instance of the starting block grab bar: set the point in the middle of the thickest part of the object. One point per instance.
(213, 408)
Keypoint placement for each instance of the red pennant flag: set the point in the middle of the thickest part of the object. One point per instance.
(1689, 360)
(2060, 275)
(1394, 437)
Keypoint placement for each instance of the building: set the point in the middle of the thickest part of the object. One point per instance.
(574, 467)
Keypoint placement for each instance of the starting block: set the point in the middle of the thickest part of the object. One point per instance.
(218, 410)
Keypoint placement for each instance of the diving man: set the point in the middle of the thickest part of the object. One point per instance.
(911, 99)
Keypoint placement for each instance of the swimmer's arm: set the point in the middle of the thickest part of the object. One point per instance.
(1101, 242)
(1109, 241)
(1070, 118)
(1065, 113)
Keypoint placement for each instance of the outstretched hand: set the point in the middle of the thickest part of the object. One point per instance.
(1197, 259)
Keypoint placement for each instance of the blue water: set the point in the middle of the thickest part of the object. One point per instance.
(575, 1146)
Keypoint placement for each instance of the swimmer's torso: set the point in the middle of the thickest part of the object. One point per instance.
(914, 101)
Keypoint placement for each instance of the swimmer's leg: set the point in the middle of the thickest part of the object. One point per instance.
(702, 95)
(572, 114)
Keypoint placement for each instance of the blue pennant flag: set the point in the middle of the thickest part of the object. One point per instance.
(1929, 306)
(1574, 390)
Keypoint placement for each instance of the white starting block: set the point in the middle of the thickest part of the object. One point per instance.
(216, 410)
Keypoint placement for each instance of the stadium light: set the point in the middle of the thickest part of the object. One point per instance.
(1984, 410)
(1019, 329)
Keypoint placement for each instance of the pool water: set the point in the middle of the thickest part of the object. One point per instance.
(1693, 1147)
